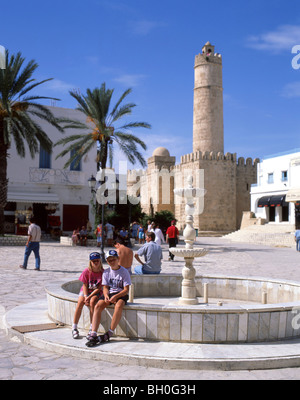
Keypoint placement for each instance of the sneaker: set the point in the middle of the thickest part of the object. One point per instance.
(22, 267)
(93, 341)
(75, 333)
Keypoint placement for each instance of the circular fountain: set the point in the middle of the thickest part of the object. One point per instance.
(195, 309)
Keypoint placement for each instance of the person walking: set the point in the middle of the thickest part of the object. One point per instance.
(109, 228)
(159, 237)
(33, 244)
(141, 233)
(297, 239)
(172, 235)
(98, 232)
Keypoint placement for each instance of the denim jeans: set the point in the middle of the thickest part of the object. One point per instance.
(139, 270)
(35, 247)
(298, 244)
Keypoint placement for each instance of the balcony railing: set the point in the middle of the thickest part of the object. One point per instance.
(56, 176)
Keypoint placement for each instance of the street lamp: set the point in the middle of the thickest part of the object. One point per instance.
(92, 184)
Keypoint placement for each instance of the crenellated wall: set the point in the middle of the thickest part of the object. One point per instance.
(227, 181)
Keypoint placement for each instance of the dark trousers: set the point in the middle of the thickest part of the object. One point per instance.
(172, 243)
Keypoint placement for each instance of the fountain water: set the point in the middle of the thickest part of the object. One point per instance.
(188, 287)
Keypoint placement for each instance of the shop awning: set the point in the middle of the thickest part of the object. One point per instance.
(33, 197)
(264, 201)
(278, 201)
(293, 195)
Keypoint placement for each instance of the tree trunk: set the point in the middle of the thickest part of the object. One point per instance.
(3, 183)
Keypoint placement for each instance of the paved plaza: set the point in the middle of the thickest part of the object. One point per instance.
(19, 287)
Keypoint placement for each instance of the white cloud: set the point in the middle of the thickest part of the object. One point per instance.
(281, 39)
(291, 90)
(130, 80)
(144, 27)
(58, 86)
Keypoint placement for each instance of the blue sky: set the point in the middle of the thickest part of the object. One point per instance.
(151, 45)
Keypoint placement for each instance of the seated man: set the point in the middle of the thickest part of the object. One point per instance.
(153, 255)
(123, 233)
(116, 281)
(125, 255)
(83, 236)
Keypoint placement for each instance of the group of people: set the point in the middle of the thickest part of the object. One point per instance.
(137, 232)
(101, 288)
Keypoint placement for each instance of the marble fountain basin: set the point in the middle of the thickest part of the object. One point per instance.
(234, 312)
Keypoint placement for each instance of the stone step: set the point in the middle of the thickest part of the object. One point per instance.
(270, 235)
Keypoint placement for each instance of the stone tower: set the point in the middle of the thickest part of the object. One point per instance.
(226, 178)
(208, 102)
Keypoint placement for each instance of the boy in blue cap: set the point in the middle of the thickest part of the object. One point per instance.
(116, 281)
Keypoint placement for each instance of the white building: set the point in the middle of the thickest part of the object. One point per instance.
(276, 196)
(41, 186)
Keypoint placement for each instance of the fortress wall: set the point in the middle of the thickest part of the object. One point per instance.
(245, 177)
(227, 181)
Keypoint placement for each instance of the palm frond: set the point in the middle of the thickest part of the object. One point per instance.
(96, 106)
(18, 106)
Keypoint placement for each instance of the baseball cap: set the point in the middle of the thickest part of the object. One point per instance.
(111, 253)
(95, 256)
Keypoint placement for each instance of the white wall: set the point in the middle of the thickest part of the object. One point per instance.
(71, 187)
(288, 161)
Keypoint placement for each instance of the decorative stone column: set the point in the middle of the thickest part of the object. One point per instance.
(188, 287)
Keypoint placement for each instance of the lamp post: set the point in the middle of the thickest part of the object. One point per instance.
(92, 184)
(2, 58)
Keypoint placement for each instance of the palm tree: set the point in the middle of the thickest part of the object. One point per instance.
(103, 133)
(17, 108)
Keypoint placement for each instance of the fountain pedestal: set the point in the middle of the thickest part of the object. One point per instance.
(188, 287)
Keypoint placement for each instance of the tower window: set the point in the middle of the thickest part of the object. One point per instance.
(208, 54)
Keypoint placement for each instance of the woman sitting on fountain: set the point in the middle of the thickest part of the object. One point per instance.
(153, 255)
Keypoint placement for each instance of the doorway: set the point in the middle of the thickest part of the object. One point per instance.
(74, 216)
(271, 214)
(40, 214)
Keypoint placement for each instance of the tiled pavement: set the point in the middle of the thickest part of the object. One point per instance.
(19, 287)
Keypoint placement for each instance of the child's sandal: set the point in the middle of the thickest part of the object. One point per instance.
(105, 337)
